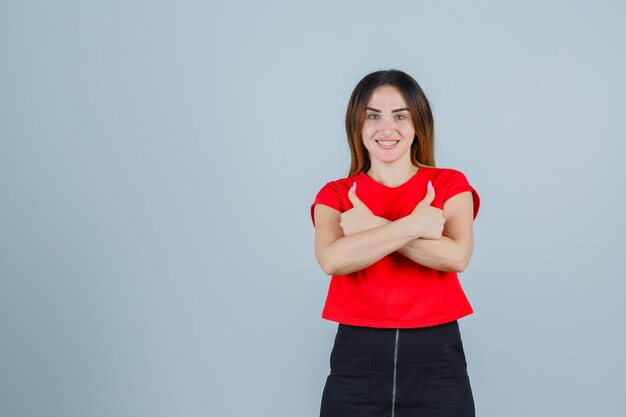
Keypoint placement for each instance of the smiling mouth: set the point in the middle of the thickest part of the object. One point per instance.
(387, 144)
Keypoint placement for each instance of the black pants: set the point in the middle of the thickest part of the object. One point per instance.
(398, 373)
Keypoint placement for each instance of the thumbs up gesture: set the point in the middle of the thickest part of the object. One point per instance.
(359, 217)
(429, 220)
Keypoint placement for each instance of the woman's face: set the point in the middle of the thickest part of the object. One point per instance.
(387, 120)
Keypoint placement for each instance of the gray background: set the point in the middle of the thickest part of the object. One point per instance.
(158, 160)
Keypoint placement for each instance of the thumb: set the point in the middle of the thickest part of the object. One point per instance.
(353, 197)
(430, 194)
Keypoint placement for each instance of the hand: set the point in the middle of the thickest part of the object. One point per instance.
(359, 217)
(429, 220)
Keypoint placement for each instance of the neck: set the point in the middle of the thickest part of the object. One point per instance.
(391, 174)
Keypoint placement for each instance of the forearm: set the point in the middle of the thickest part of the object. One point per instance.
(441, 254)
(360, 250)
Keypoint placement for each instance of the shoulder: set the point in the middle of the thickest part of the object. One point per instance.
(340, 184)
(449, 182)
(443, 175)
(334, 194)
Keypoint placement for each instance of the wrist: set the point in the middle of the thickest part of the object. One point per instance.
(380, 221)
(414, 225)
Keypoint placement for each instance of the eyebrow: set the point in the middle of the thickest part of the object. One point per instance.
(393, 111)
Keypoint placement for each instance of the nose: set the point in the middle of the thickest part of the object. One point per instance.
(386, 129)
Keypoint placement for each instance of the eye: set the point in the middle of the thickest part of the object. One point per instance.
(403, 117)
(372, 116)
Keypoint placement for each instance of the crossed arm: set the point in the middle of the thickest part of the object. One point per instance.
(447, 253)
(339, 254)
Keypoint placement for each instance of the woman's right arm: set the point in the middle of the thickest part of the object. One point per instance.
(339, 255)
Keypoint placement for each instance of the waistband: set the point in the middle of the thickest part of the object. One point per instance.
(407, 346)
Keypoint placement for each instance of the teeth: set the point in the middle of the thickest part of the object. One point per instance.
(387, 143)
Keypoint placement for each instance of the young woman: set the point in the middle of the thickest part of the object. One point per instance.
(394, 234)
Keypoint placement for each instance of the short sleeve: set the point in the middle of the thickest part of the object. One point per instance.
(458, 183)
(328, 196)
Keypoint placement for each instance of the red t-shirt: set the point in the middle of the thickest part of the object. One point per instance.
(395, 291)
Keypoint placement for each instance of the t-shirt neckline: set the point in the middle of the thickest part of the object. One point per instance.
(405, 184)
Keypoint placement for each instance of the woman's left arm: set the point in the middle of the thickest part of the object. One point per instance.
(454, 250)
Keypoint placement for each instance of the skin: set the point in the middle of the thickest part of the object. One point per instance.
(350, 241)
